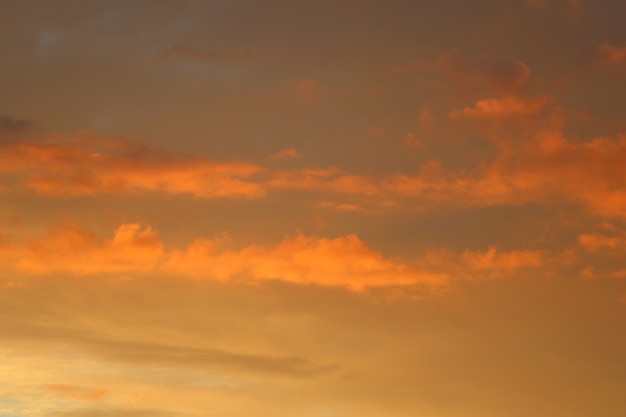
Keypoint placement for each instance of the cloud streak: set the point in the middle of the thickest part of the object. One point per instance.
(88, 166)
(303, 260)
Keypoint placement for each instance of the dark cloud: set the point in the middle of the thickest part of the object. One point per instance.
(164, 355)
(10, 125)
(500, 75)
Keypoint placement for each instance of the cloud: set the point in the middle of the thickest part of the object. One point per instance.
(508, 107)
(70, 249)
(179, 356)
(467, 73)
(308, 90)
(305, 260)
(593, 242)
(286, 153)
(342, 262)
(10, 125)
(332, 180)
(546, 169)
(612, 55)
(87, 166)
(412, 141)
(589, 273)
(495, 75)
(492, 259)
(480, 264)
(349, 207)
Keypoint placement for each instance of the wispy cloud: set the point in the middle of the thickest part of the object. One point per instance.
(84, 165)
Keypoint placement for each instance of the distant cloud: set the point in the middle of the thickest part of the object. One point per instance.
(612, 55)
(308, 90)
(287, 153)
(497, 75)
(492, 259)
(508, 107)
(10, 125)
(338, 262)
(305, 260)
(70, 249)
(544, 168)
(594, 242)
(84, 165)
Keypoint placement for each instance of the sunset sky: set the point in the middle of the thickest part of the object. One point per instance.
(325, 208)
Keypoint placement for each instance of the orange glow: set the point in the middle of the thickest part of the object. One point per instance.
(312, 208)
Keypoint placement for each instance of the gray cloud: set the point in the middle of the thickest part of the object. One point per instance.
(10, 125)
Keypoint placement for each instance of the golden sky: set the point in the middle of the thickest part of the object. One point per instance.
(328, 208)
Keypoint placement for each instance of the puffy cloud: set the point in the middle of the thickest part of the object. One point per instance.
(551, 166)
(86, 166)
(547, 168)
(70, 249)
(342, 262)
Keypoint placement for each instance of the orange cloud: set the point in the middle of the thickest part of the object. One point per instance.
(342, 206)
(508, 107)
(612, 55)
(70, 249)
(86, 166)
(412, 142)
(547, 168)
(620, 274)
(480, 264)
(589, 273)
(308, 90)
(287, 153)
(491, 259)
(332, 180)
(344, 261)
(596, 242)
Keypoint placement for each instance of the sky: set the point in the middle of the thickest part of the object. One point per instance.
(233, 208)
